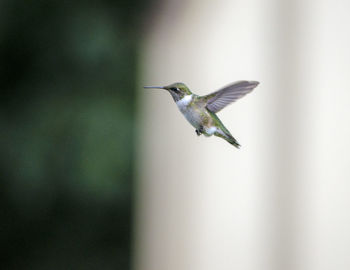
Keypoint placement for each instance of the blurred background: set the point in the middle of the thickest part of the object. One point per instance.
(98, 173)
(68, 89)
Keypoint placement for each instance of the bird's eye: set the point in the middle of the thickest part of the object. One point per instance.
(175, 89)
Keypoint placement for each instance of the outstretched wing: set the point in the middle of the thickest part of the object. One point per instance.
(223, 97)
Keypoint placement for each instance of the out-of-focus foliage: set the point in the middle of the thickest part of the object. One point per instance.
(67, 74)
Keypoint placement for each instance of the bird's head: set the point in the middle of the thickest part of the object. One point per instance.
(177, 90)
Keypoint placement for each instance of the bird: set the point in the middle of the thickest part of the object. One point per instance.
(200, 111)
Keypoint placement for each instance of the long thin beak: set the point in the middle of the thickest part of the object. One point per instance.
(157, 87)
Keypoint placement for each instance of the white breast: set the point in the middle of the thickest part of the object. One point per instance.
(183, 103)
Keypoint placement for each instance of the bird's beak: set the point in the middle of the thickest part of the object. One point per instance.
(154, 87)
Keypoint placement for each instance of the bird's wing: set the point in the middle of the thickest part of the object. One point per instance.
(223, 97)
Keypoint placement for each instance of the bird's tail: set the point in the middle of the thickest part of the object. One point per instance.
(233, 141)
(228, 137)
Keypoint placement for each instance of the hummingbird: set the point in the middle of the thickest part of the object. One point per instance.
(201, 111)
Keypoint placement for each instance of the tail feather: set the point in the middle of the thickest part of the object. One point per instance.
(233, 141)
(228, 137)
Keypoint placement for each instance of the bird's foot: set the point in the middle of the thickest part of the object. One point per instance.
(199, 131)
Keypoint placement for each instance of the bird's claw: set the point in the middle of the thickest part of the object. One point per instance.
(199, 131)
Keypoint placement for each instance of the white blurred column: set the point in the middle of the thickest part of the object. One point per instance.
(323, 241)
(200, 201)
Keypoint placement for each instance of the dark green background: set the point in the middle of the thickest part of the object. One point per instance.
(68, 81)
